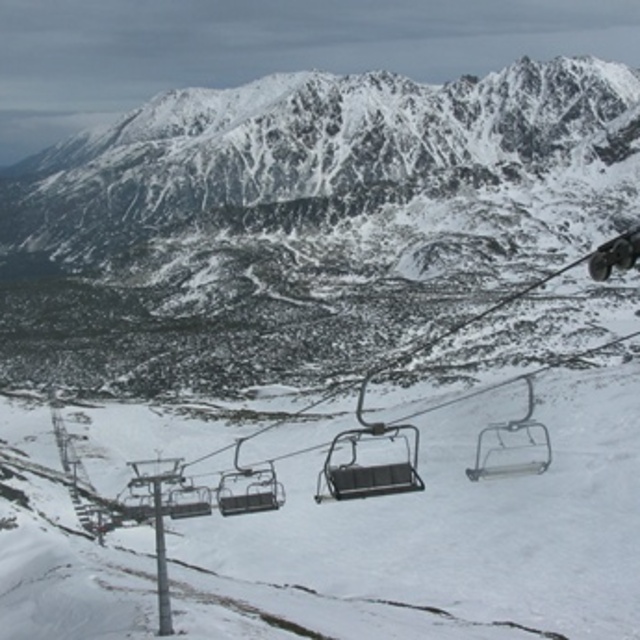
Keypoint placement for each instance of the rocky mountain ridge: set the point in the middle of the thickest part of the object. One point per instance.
(310, 146)
(300, 228)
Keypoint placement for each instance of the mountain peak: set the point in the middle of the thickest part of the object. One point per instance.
(315, 137)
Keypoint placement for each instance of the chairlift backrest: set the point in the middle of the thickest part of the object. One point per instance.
(365, 482)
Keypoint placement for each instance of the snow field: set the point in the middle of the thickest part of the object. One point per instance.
(557, 552)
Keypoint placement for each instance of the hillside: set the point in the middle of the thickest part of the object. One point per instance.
(301, 228)
(549, 556)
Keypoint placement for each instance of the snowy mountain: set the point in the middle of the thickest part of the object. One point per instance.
(291, 151)
(232, 263)
(298, 229)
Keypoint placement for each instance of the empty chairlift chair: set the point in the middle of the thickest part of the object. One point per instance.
(514, 448)
(380, 460)
(245, 491)
(138, 507)
(189, 501)
(138, 504)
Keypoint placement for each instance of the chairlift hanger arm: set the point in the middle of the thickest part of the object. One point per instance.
(514, 424)
(236, 459)
(376, 428)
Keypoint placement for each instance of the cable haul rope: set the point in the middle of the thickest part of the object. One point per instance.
(353, 480)
(442, 405)
(325, 398)
(536, 372)
(559, 362)
(457, 328)
(406, 356)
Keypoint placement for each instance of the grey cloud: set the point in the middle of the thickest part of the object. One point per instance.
(24, 133)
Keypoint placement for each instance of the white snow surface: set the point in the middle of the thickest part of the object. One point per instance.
(557, 553)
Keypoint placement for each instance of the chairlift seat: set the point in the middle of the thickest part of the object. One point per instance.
(502, 471)
(248, 503)
(361, 482)
(138, 507)
(141, 512)
(138, 512)
(355, 479)
(189, 502)
(248, 490)
(190, 510)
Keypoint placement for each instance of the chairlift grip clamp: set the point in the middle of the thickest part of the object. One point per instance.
(378, 428)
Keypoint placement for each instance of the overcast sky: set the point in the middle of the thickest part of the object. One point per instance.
(68, 64)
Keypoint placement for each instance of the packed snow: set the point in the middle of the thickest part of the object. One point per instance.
(519, 557)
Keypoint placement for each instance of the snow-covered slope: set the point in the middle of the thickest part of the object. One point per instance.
(553, 556)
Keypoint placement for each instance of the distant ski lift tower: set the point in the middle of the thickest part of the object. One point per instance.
(153, 473)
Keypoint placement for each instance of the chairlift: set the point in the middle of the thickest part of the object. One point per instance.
(514, 448)
(189, 501)
(139, 507)
(380, 460)
(139, 504)
(245, 490)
